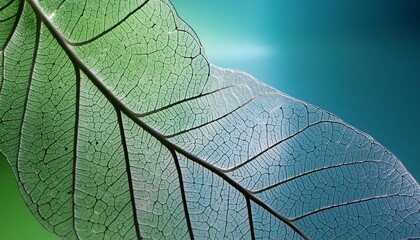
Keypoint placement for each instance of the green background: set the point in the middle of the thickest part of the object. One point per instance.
(358, 59)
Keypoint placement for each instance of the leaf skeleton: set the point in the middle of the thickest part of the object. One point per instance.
(147, 139)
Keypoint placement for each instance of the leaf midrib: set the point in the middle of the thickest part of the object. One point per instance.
(77, 62)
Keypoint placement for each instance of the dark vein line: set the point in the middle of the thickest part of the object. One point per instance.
(345, 204)
(76, 23)
(279, 142)
(2, 76)
(128, 169)
(185, 100)
(251, 222)
(6, 5)
(60, 5)
(277, 215)
(221, 117)
(13, 30)
(132, 115)
(184, 199)
(107, 30)
(75, 144)
(7, 19)
(314, 171)
(3, 72)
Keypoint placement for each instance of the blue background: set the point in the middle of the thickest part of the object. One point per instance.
(359, 59)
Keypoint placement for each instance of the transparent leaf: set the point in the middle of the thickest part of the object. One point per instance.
(116, 126)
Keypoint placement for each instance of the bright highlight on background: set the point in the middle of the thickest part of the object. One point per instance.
(358, 59)
(239, 52)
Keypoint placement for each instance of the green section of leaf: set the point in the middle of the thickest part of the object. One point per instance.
(17, 65)
(102, 203)
(81, 21)
(165, 63)
(45, 163)
(10, 11)
(117, 127)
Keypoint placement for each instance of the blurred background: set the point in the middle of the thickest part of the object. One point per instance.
(359, 59)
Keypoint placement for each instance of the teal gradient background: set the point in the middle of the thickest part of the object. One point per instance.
(358, 59)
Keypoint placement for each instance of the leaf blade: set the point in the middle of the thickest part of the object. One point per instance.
(226, 135)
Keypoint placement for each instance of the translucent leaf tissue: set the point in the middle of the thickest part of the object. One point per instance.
(117, 127)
